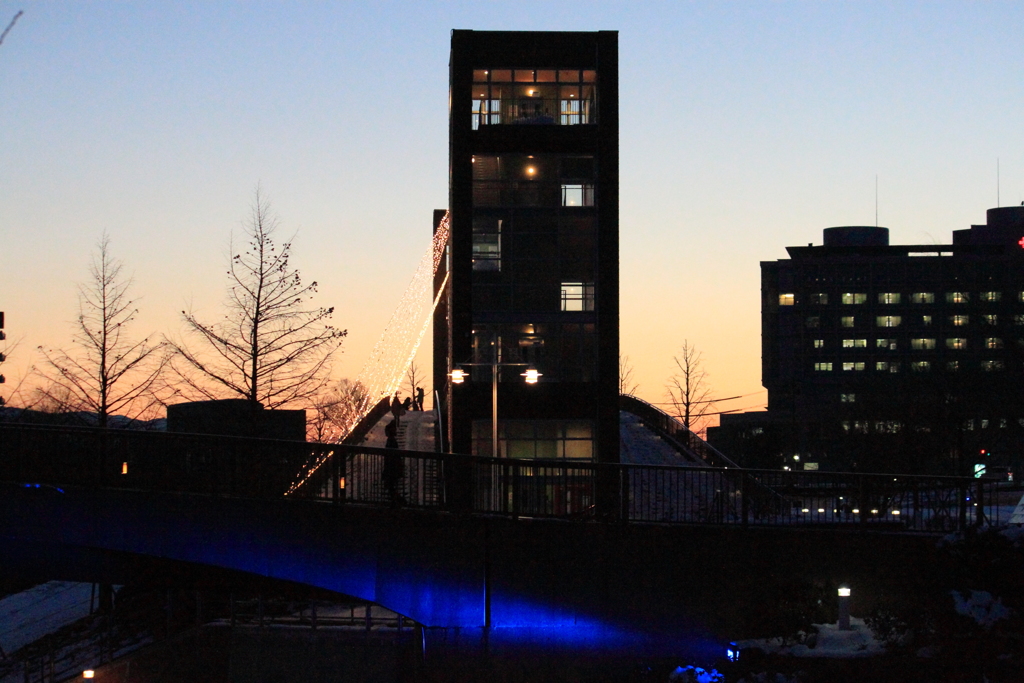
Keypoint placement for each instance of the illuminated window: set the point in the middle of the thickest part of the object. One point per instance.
(957, 297)
(992, 365)
(889, 297)
(564, 97)
(956, 343)
(920, 366)
(819, 298)
(577, 296)
(847, 398)
(990, 319)
(889, 344)
(888, 320)
(993, 343)
(556, 439)
(819, 343)
(922, 344)
(922, 298)
(887, 366)
(958, 320)
(926, 320)
(787, 299)
(578, 195)
(823, 367)
(853, 366)
(953, 366)
(855, 343)
(1018, 319)
(991, 297)
(853, 298)
(846, 321)
(812, 322)
(887, 426)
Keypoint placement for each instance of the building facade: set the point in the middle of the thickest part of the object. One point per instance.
(531, 269)
(892, 358)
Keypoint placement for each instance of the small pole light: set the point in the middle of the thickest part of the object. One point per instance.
(88, 673)
(531, 375)
(458, 376)
(844, 608)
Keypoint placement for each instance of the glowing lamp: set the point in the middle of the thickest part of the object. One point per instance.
(530, 170)
(1021, 242)
(844, 592)
(88, 673)
(458, 376)
(124, 468)
(531, 375)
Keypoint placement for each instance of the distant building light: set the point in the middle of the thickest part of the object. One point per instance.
(88, 673)
(844, 592)
(124, 468)
(458, 376)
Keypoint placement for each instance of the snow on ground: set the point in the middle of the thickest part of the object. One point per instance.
(641, 446)
(415, 431)
(28, 616)
(829, 641)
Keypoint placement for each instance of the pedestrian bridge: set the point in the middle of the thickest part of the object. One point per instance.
(633, 556)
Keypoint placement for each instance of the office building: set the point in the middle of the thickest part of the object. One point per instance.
(891, 358)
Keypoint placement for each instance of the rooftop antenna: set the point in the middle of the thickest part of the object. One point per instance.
(876, 200)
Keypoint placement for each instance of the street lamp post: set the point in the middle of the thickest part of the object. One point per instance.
(458, 376)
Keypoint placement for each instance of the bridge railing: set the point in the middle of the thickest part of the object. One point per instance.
(343, 474)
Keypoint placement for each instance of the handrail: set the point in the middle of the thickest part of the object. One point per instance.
(368, 422)
(673, 431)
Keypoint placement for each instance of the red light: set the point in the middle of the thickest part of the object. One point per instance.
(1021, 242)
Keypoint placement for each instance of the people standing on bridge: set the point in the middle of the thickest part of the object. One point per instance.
(419, 398)
(394, 470)
(396, 409)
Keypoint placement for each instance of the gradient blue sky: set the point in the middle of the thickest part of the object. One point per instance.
(745, 127)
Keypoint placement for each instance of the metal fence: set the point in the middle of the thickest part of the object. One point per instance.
(258, 468)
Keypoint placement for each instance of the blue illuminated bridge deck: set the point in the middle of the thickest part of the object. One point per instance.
(630, 555)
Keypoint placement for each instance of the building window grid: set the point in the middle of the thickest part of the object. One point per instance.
(564, 97)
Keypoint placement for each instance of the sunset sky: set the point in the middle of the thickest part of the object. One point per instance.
(745, 127)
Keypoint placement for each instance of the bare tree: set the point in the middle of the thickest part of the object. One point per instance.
(105, 371)
(627, 384)
(335, 412)
(413, 379)
(688, 389)
(270, 348)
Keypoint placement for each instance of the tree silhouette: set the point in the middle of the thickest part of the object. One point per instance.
(106, 371)
(269, 348)
(688, 389)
